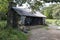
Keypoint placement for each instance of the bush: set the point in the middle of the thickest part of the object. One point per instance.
(3, 24)
(48, 12)
(10, 33)
(53, 21)
(3, 16)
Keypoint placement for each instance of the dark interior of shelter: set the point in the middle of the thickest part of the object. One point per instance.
(30, 21)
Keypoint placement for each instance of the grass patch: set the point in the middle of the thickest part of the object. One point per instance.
(53, 21)
(10, 33)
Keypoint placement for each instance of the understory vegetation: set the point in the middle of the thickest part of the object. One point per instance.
(10, 33)
(52, 11)
(53, 22)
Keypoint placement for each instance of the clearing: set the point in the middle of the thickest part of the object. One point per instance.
(44, 34)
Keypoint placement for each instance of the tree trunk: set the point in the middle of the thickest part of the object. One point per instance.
(15, 20)
(11, 16)
(9, 20)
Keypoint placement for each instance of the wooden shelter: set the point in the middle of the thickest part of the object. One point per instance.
(29, 18)
(24, 16)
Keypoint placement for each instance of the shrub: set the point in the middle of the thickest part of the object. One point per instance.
(10, 33)
(53, 21)
(3, 16)
(48, 12)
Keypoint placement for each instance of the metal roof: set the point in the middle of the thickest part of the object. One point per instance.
(27, 12)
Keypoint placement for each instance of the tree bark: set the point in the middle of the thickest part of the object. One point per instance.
(15, 20)
(11, 16)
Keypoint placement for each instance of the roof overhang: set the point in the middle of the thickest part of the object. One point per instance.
(27, 12)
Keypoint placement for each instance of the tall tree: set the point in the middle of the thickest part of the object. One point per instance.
(48, 12)
(56, 11)
(51, 0)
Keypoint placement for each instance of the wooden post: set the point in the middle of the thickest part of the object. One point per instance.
(43, 21)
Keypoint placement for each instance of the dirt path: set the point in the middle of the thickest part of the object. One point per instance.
(43, 34)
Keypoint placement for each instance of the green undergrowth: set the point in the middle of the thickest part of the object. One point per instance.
(53, 22)
(10, 33)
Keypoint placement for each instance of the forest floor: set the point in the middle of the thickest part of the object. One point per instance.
(53, 33)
